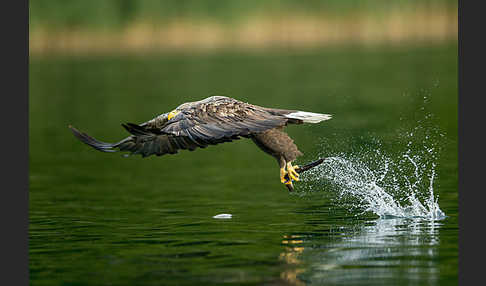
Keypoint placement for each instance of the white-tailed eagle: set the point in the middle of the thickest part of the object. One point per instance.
(211, 121)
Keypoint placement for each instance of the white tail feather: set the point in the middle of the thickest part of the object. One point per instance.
(309, 117)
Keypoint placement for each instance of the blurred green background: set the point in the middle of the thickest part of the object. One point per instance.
(118, 13)
(107, 27)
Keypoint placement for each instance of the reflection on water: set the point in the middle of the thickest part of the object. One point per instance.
(293, 249)
(373, 254)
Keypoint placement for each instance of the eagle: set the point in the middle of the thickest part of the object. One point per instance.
(211, 121)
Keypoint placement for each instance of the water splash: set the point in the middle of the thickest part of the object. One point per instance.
(399, 185)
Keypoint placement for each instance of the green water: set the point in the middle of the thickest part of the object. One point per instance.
(101, 219)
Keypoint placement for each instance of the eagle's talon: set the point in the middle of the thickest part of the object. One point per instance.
(283, 173)
(294, 177)
(292, 172)
(285, 178)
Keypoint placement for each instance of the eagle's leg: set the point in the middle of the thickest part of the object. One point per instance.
(282, 175)
(292, 172)
(278, 144)
(282, 163)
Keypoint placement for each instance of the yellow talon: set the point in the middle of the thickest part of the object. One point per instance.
(282, 176)
(294, 177)
(292, 173)
(283, 173)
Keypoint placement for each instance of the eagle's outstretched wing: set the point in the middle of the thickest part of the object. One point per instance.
(197, 125)
(222, 119)
(144, 142)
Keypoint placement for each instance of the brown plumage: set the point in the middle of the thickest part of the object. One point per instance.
(211, 121)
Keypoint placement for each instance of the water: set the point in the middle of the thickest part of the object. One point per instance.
(381, 210)
(380, 251)
(356, 181)
(388, 186)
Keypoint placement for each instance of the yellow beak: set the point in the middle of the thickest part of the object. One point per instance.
(172, 114)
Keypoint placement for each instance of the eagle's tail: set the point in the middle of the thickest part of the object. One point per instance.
(308, 117)
(98, 145)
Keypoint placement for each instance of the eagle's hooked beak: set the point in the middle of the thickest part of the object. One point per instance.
(172, 114)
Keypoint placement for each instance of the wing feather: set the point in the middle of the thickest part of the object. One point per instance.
(211, 121)
(222, 120)
(142, 142)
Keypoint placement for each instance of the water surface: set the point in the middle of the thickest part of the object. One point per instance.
(101, 219)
